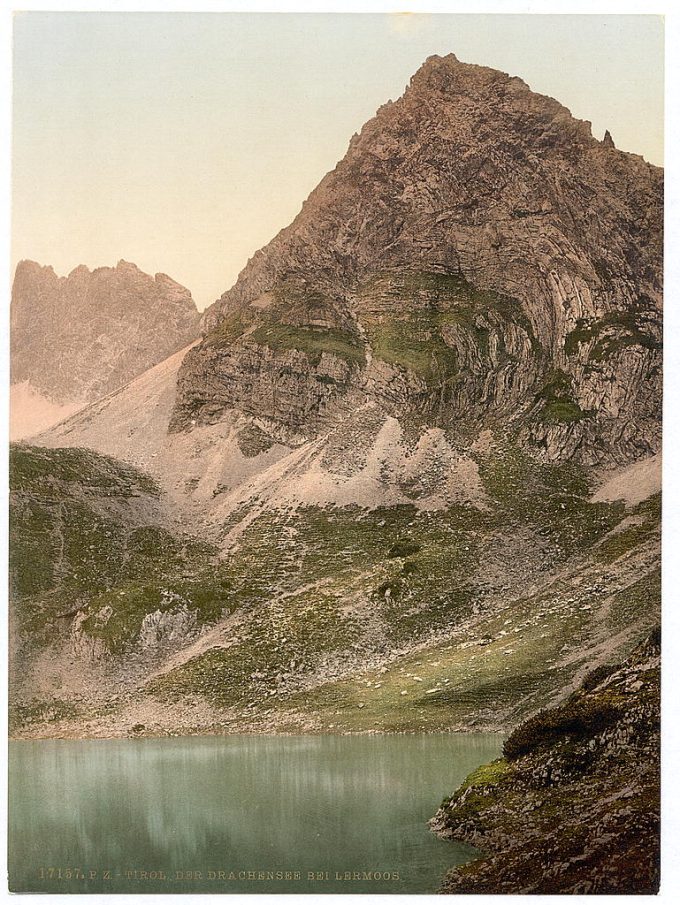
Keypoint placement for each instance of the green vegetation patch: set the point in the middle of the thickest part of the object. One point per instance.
(562, 412)
(298, 319)
(580, 717)
(66, 529)
(78, 546)
(403, 548)
(639, 601)
(228, 330)
(37, 710)
(40, 471)
(524, 653)
(486, 774)
(284, 639)
(650, 508)
(414, 341)
(559, 406)
(313, 341)
(552, 499)
(481, 790)
(413, 610)
(468, 301)
(204, 597)
(411, 312)
(336, 539)
(634, 535)
(615, 331)
(622, 542)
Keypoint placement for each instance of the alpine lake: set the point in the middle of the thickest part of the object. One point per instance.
(244, 813)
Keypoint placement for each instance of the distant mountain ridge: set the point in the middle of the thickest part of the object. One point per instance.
(76, 338)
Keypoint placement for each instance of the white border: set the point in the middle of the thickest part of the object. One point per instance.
(671, 502)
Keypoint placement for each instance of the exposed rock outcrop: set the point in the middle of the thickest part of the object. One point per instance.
(573, 807)
(477, 256)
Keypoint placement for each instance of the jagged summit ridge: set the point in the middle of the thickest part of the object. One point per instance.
(449, 76)
(461, 137)
(75, 338)
(476, 256)
(27, 269)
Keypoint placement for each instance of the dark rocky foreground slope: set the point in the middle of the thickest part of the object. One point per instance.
(77, 338)
(573, 806)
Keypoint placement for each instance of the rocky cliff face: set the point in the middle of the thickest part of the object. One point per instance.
(476, 257)
(77, 338)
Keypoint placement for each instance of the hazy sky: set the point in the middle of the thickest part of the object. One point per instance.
(184, 142)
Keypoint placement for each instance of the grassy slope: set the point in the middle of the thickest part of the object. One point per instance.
(85, 534)
(346, 619)
(86, 537)
(400, 579)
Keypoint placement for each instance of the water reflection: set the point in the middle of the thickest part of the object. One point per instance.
(312, 803)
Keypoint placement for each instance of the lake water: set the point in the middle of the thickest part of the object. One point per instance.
(225, 814)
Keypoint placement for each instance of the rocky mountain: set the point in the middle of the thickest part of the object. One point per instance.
(476, 258)
(409, 479)
(573, 807)
(75, 339)
(419, 439)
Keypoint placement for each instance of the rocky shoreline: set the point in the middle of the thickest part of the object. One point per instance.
(574, 804)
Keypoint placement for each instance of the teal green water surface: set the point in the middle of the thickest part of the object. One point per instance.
(305, 814)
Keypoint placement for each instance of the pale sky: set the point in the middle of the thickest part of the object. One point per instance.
(185, 142)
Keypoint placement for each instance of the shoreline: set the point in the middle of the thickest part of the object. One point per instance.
(133, 736)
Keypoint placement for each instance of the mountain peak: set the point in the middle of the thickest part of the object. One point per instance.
(444, 70)
(470, 190)
(127, 267)
(480, 93)
(449, 74)
(436, 63)
(28, 266)
(82, 270)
